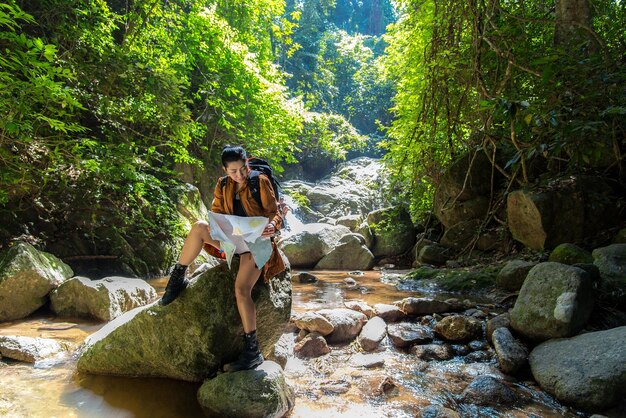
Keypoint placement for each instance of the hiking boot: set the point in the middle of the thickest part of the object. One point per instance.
(251, 356)
(175, 285)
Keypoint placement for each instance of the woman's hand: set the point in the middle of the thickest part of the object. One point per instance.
(270, 230)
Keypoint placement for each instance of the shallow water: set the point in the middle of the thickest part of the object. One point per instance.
(329, 386)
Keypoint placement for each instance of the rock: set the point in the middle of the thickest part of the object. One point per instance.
(477, 345)
(193, 336)
(421, 243)
(350, 221)
(611, 261)
(335, 387)
(314, 322)
(28, 349)
(491, 239)
(313, 345)
(433, 352)
(555, 301)
(350, 281)
(393, 231)
(307, 246)
(567, 253)
(512, 354)
(587, 371)
(453, 212)
(390, 313)
(262, 392)
(346, 322)
(26, 277)
(500, 321)
(423, 306)
(103, 299)
(283, 349)
(362, 307)
(488, 391)
(461, 235)
(620, 237)
(366, 232)
(438, 411)
(386, 386)
(367, 361)
(406, 334)
(511, 277)
(433, 254)
(372, 333)
(458, 328)
(479, 356)
(349, 254)
(305, 277)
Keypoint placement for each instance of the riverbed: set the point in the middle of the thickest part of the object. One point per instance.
(330, 386)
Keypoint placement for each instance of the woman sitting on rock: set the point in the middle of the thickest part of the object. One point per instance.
(234, 197)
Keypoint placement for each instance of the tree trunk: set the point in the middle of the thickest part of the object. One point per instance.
(573, 25)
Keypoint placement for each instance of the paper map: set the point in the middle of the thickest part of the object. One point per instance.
(238, 234)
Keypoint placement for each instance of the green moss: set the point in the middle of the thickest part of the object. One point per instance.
(457, 279)
(302, 200)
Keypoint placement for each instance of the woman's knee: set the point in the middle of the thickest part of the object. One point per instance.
(242, 290)
(201, 228)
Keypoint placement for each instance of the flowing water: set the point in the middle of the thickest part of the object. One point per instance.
(330, 386)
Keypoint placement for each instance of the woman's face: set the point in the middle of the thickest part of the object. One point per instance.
(237, 170)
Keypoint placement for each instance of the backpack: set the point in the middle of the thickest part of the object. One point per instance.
(258, 166)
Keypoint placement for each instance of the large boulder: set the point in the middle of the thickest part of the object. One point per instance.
(611, 261)
(568, 211)
(307, 246)
(393, 231)
(26, 277)
(556, 300)
(349, 254)
(461, 235)
(347, 324)
(350, 221)
(190, 338)
(567, 253)
(103, 299)
(453, 212)
(511, 277)
(587, 371)
(259, 393)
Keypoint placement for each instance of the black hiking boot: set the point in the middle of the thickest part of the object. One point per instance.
(251, 356)
(175, 285)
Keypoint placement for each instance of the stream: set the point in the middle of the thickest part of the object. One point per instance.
(329, 386)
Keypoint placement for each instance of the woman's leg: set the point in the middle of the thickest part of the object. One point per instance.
(246, 278)
(200, 233)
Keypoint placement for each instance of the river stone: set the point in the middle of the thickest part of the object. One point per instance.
(433, 254)
(587, 371)
(393, 231)
(405, 334)
(458, 328)
(304, 277)
(556, 300)
(567, 253)
(308, 245)
(372, 333)
(423, 306)
(366, 232)
(350, 221)
(428, 352)
(362, 307)
(511, 277)
(611, 261)
(488, 391)
(103, 299)
(461, 235)
(389, 313)
(190, 338)
(350, 254)
(28, 349)
(346, 322)
(26, 277)
(511, 353)
(314, 322)
(259, 393)
(312, 345)
(502, 320)
(438, 411)
(283, 349)
(367, 361)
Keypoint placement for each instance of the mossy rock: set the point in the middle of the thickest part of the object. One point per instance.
(393, 231)
(570, 254)
(457, 279)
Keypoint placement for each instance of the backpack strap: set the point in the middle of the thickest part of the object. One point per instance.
(255, 186)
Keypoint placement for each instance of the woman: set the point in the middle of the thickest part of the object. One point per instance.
(234, 197)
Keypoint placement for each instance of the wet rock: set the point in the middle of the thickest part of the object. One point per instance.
(350, 281)
(587, 371)
(372, 333)
(103, 299)
(488, 391)
(336, 387)
(28, 349)
(362, 307)
(570, 254)
(346, 322)
(512, 354)
(475, 313)
(350, 221)
(26, 277)
(458, 328)
(479, 356)
(262, 392)
(390, 313)
(306, 247)
(433, 254)
(305, 277)
(314, 322)
(350, 253)
(555, 301)
(303, 333)
(368, 361)
(386, 386)
(423, 306)
(393, 231)
(433, 352)
(283, 349)
(511, 277)
(313, 345)
(193, 336)
(478, 345)
(500, 321)
(461, 349)
(438, 411)
(406, 334)
(611, 261)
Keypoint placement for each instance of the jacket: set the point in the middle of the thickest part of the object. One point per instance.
(223, 203)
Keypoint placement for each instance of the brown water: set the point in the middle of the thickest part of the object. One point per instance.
(325, 387)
